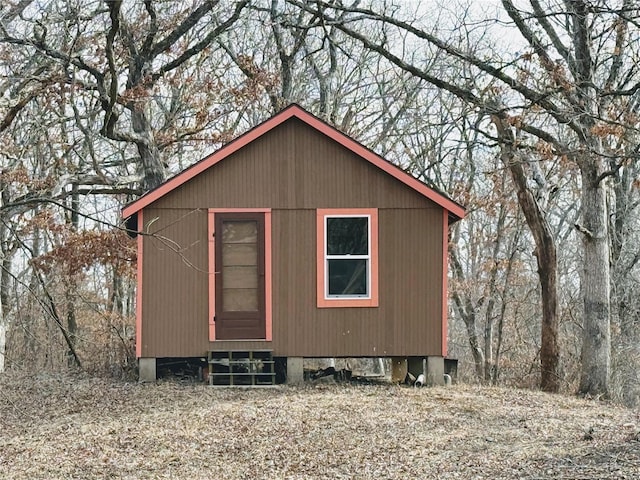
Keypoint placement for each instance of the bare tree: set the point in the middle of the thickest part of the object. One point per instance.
(143, 44)
(566, 89)
(96, 99)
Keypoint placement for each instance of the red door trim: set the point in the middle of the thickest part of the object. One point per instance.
(268, 305)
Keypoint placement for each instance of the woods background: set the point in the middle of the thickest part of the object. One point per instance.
(526, 112)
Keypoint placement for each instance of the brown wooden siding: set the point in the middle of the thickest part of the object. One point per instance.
(294, 166)
(174, 295)
(294, 170)
(407, 322)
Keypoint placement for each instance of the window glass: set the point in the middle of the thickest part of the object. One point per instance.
(240, 266)
(347, 236)
(347, 256)
(347, 277)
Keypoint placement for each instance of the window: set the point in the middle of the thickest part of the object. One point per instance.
(347, 257)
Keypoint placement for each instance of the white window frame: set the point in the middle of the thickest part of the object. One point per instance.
(328, 257)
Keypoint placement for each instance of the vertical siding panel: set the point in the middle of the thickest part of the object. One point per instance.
(387, 276)
(175, 282)
(303, 287)
(281, 272)
(293, 166)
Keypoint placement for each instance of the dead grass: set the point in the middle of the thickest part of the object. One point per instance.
(81, 427)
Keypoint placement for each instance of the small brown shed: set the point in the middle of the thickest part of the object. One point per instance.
(297, 241)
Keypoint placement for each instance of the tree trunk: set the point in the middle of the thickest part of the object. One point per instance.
(151, 168)
(546, 258)
(623, 303)
(492, 293)
(72, 323)
(596, 340)
(71, 286)
(549, 349)
(488, 342)
(466, 310)
(476, 351)
(495, 369)
(3, 286)
(3, 340)
(115, 303)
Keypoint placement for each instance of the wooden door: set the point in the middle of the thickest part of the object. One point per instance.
(240, 294)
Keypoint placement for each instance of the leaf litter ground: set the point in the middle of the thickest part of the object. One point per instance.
(58, 427)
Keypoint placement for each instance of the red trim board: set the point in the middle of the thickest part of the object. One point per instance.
(268, 285)
(324, 302)
(140, 243)
(212, 274)
(314, 122)
(445, 261)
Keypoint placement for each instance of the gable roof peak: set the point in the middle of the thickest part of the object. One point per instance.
(456, 211)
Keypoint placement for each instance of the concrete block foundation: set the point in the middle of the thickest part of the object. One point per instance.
(399, 369)
(295, 370)
(435, 371)
(146, 370)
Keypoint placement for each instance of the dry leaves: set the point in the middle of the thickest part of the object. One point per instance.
(81, 427)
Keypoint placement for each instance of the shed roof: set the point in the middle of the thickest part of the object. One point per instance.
(456, 211)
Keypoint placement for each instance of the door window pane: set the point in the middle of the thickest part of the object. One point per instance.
(240, 299)
(240, 232)
(240, 276)
(239, 253)
(240, 266)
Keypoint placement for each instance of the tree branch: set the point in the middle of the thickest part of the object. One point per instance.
(537, 98)
(541, 17)
(183, 28)
(198, 47)
(110, 115)
(616, 64)
(153, 28)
